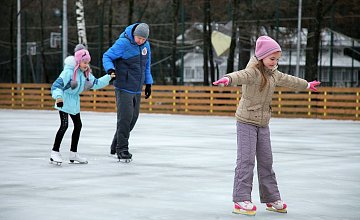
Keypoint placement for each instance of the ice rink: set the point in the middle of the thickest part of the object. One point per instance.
(183, 169)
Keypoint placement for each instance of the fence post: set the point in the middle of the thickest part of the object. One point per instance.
(211, 101)
(22, 96)
(325, 100)
(309, 105)
(12, 96)
(237, 97)
(174, 102)
(150, 104)
(42, 97)
(186, 100)
(94, 99)
(279, 105)
(357, 105)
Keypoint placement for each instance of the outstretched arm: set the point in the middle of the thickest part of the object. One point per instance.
(102, 81)
(223, 81)
(241, 77)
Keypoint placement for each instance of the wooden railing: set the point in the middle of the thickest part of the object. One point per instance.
(328, 103)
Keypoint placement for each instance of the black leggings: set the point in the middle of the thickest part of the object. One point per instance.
(64, 119)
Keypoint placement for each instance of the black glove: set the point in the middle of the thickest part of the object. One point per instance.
(147, 91)
(110, 71)
(60, 104)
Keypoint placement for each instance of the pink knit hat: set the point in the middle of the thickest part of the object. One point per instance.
(81, 54)
(265, 46)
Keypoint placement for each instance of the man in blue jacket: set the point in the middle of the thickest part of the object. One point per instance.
(129, 57)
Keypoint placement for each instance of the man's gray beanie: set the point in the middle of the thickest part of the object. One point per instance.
(142, 30)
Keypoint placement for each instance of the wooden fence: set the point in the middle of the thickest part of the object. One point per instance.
(328, 103)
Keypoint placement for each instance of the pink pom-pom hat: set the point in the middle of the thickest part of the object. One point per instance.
(266, 46)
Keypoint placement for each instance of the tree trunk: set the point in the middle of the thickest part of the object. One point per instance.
(206, 43)
(313, 40)
(176, 7)
(235, 12)
(43, 73)
(110, 24)
(244, 53)
(142, 12)
(101, 5)
(12, 43)
(313, 43)
(211, 53)
(131, 11)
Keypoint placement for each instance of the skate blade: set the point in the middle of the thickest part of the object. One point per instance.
(125, 160)
(271, 209)
(55, 162)
(242, 212)
(77, 162)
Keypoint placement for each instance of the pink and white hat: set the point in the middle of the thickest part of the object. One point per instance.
(81, 54)
(265, 46)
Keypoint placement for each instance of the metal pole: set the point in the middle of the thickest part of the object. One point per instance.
(297, 73)
(64, 30)
(18, 60)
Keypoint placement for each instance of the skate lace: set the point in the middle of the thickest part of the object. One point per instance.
(278, 204)
(247, 205)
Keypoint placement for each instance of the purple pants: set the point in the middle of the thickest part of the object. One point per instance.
(254, 141)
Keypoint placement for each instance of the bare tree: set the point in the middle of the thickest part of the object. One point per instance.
(206, 42)
(176, 8)
(235, 12)
(130, 11)
(12, 43)
(44, 73)
(142, 12)
(252, 14)
(110, 23)
(210, 49)
(313, 39)
(101, 6)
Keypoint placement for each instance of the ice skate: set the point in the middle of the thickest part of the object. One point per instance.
(244, 208)
(55, 158)
(124, 157)
(277, 206)
(75, 157)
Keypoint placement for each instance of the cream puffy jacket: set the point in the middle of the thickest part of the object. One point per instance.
(255, 106)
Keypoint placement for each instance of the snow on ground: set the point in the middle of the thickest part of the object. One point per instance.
(183, 169)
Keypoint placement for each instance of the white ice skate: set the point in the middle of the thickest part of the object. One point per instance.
(75, 157)
(55, 158)
(244, 208)
(277, 206)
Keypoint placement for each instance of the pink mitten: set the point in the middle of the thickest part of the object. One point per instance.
(223, 80)
(313, 84)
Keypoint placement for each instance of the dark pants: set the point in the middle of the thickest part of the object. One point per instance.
(128, 107)
(254, 141)
(64, 120)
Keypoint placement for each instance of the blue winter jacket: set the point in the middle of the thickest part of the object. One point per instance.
(130, 61)
(71, 97)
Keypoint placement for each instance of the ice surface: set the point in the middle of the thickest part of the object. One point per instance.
(183, 169)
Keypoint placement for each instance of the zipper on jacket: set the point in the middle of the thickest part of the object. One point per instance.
(140, 83)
